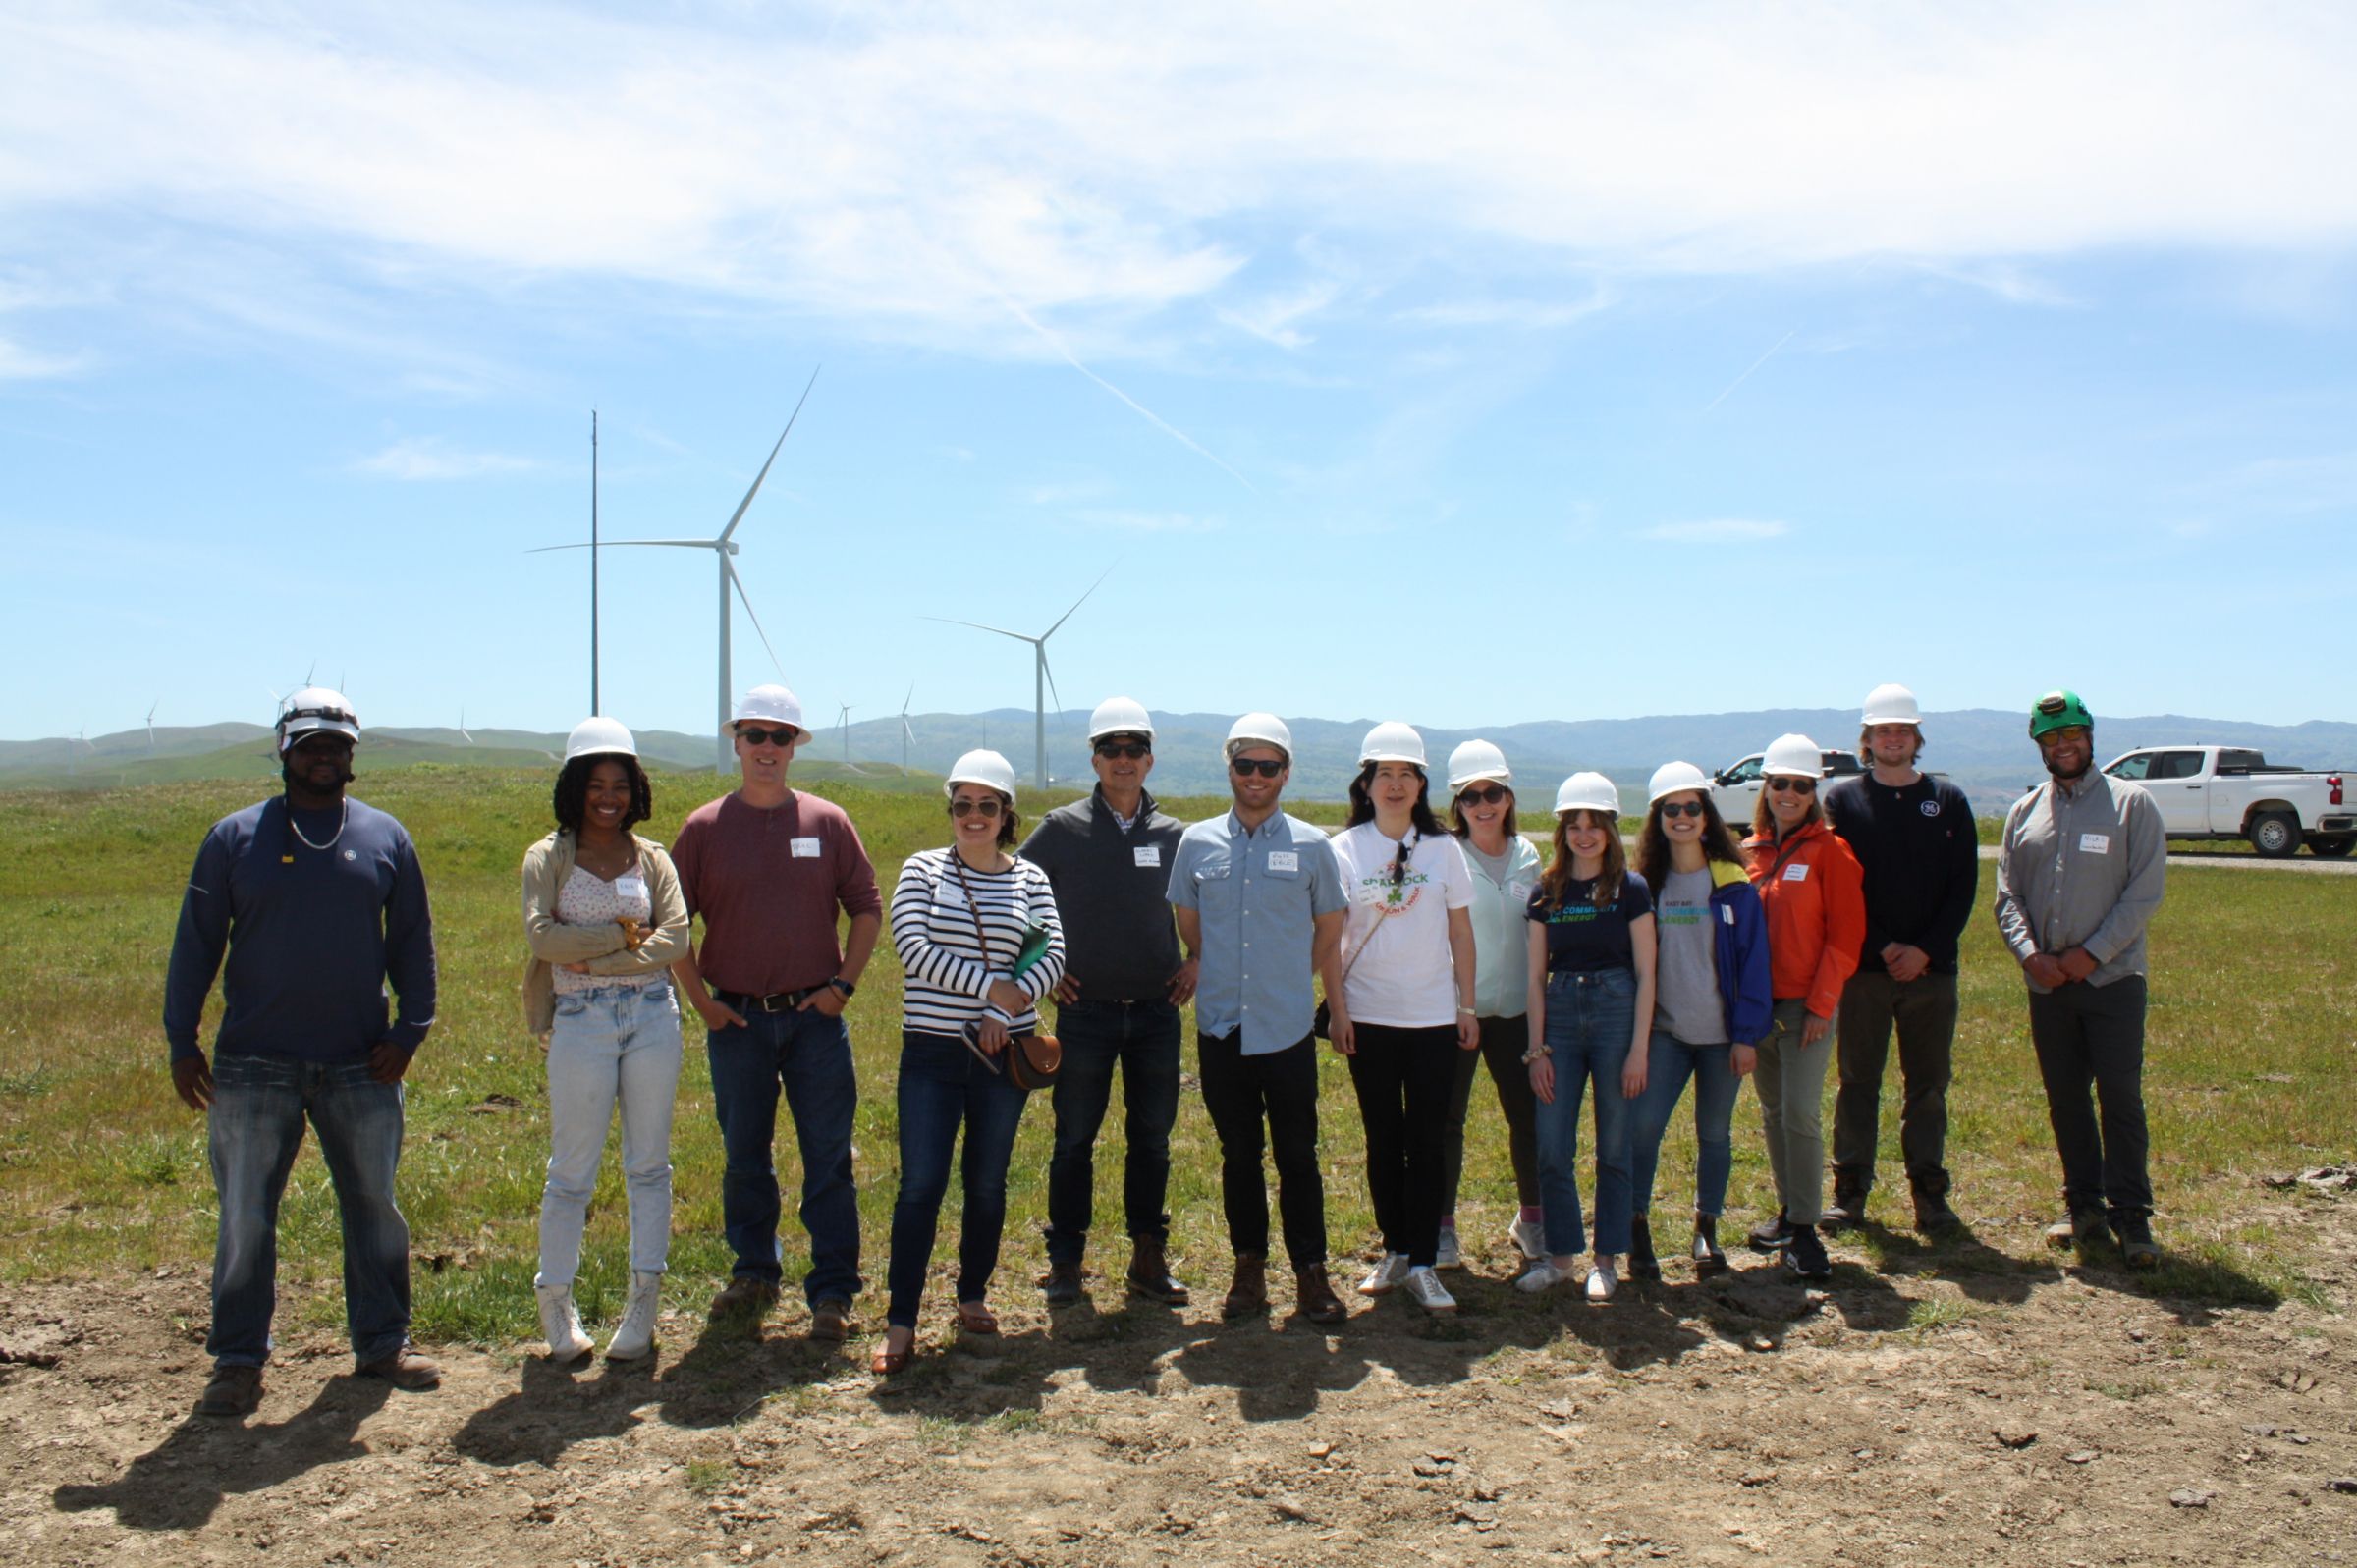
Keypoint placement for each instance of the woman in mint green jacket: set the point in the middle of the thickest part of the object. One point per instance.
(1505, 868)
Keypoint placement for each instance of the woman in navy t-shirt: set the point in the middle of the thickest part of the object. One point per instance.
(1591, 1006)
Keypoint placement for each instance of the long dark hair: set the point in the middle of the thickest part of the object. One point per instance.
(1456, 812)
(1653, 845)
(572, 800)
(1556, 882)
(1419, 811)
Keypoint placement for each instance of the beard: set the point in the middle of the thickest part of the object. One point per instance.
(2074, 775)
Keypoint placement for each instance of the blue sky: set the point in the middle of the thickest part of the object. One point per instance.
(1560, 363)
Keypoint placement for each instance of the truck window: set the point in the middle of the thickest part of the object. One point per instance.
(2140, 766)
(2238, 761)
(1746, 772)
(2177, 765)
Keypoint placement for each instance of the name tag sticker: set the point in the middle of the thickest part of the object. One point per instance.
(1521, 892)
(2095, 843)
(1798, 871)
(630, 887)
(1149, 854)
(1726, 914)
(805, 848)
(1285, 860)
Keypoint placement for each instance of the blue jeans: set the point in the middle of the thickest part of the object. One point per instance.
(610, 1043)
(943, 1087)
(811, 1055)
(1589, 1017)
(1142, 1039)
(1670, 1062)
(256, 1127)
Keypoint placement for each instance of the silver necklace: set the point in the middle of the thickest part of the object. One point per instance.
(342, 818)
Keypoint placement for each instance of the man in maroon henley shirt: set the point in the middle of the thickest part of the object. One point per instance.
(767, 868)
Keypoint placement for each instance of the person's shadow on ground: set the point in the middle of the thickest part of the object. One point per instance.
(555, 1408)
(180, 1482)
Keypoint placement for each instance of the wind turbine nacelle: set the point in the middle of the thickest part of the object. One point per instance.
(729, 545)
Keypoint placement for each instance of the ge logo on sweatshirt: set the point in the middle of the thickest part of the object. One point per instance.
(1930, 808)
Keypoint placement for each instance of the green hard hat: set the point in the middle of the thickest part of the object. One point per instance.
(2058, 710)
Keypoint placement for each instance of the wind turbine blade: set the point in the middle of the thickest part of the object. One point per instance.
(905, 701)
(978, 627)
(1078, 602)
(1049, 671)
(773, 456)
(609, 544)
(745, 600)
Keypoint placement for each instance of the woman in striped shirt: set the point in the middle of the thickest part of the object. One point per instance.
(959, 917)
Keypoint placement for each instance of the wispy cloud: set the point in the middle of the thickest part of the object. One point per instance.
(1131, 521)
(1527, 314)
(1062, 494)
(1717, 532)
(19, 363)
(428, 458)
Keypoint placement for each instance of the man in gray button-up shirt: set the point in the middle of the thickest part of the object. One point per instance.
(2078, 878)
(1259, 900)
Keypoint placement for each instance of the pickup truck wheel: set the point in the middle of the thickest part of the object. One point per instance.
(2275, 834)
(2332, 845)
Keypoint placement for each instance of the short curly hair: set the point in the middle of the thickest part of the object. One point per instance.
(572, 800)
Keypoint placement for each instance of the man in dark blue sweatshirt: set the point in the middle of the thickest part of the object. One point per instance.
(317, 900)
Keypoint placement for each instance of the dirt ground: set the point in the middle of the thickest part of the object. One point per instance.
(2032, 1413)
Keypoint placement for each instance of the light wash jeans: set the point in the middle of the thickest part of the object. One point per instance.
(609, 1043)
(255, 1129)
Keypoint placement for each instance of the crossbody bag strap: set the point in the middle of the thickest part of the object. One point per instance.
(981, 936)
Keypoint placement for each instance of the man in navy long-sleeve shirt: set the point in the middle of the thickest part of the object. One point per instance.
(317, 900)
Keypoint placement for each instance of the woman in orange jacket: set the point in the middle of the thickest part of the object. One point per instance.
(1814, 895)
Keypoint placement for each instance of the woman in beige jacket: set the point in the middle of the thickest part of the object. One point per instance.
(604, 917)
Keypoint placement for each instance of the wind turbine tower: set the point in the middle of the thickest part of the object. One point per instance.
(1043, 680)
(843, 722)
(905, 733)
(151, 707)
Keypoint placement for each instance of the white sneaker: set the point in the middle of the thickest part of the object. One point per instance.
(1541, 1276)
(1447, 1255)
(1385, 1277)
(635, 1336)
(1529, 1237)
(1602, 1282)
(1425, 1289)
(561, 1324)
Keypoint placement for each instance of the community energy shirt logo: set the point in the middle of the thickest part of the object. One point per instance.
(1395, 898)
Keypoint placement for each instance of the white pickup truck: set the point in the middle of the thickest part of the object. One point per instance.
(1735, 787)
(2231, 792)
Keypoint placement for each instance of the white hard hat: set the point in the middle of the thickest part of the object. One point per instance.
(599, 737)
(1890, 705)
(1391, 741)
(1588, 792)
(1673, 776)
(1796, 755)
(1260, 730)
(311, 710)
(1119, 716)
(985, 768)
(1475, 760)
(772, 705)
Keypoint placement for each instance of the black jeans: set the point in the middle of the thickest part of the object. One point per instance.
(1503, 1042)
(1282, 1087)
(1924, 1009)
(2094, 1035)
(1405, 1079)
(1142, 1039)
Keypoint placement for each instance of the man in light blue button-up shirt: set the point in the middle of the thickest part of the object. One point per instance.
(1259, 900)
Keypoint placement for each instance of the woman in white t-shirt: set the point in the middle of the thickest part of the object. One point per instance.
(1406, 1008)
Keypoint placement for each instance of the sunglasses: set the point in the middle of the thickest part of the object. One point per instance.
(1132, 750)
(1482, 794)
(961, 809)
(1246, 767)
(1672, 808)
(1798, 787)
(766, 737)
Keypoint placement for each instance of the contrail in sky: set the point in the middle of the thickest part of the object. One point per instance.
(1746, 375)
(1157, 421)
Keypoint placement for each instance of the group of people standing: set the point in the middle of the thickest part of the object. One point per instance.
(1441, 949)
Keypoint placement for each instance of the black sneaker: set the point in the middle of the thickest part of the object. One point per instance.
(1806, 1255)
(1772, 1235)
(1642, 1264)
(2089, 1230)
(1061, 1286)
(2136, 1244)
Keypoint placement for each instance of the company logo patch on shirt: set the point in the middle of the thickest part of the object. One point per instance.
(1147, 854)
(1930, 808)
(805, 848)
(1288, 861)
(2095, 843)
(1797, 870)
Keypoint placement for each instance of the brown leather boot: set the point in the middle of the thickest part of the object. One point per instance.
(1318, 1303)
(1250, 1292)
(1150, 1274)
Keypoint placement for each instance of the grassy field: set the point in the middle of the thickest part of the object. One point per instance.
(101, 1169)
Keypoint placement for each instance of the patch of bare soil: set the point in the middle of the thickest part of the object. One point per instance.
(1979, 1404)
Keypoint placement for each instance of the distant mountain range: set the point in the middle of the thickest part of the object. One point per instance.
(1984, 750)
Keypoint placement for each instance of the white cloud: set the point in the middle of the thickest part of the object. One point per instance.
(1717, 532)
(19, 363)
(1527, 314)
(1130, 522)
(428, 458)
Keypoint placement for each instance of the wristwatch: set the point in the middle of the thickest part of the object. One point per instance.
(844, 986)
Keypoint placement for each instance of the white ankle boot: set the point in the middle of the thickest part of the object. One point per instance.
(635, 1335)
(561, 1324)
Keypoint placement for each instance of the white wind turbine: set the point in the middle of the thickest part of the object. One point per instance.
(843, 722)
(906, 733)
(463, 735)
(1043, 680)
(722, 548)
(151, 707)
